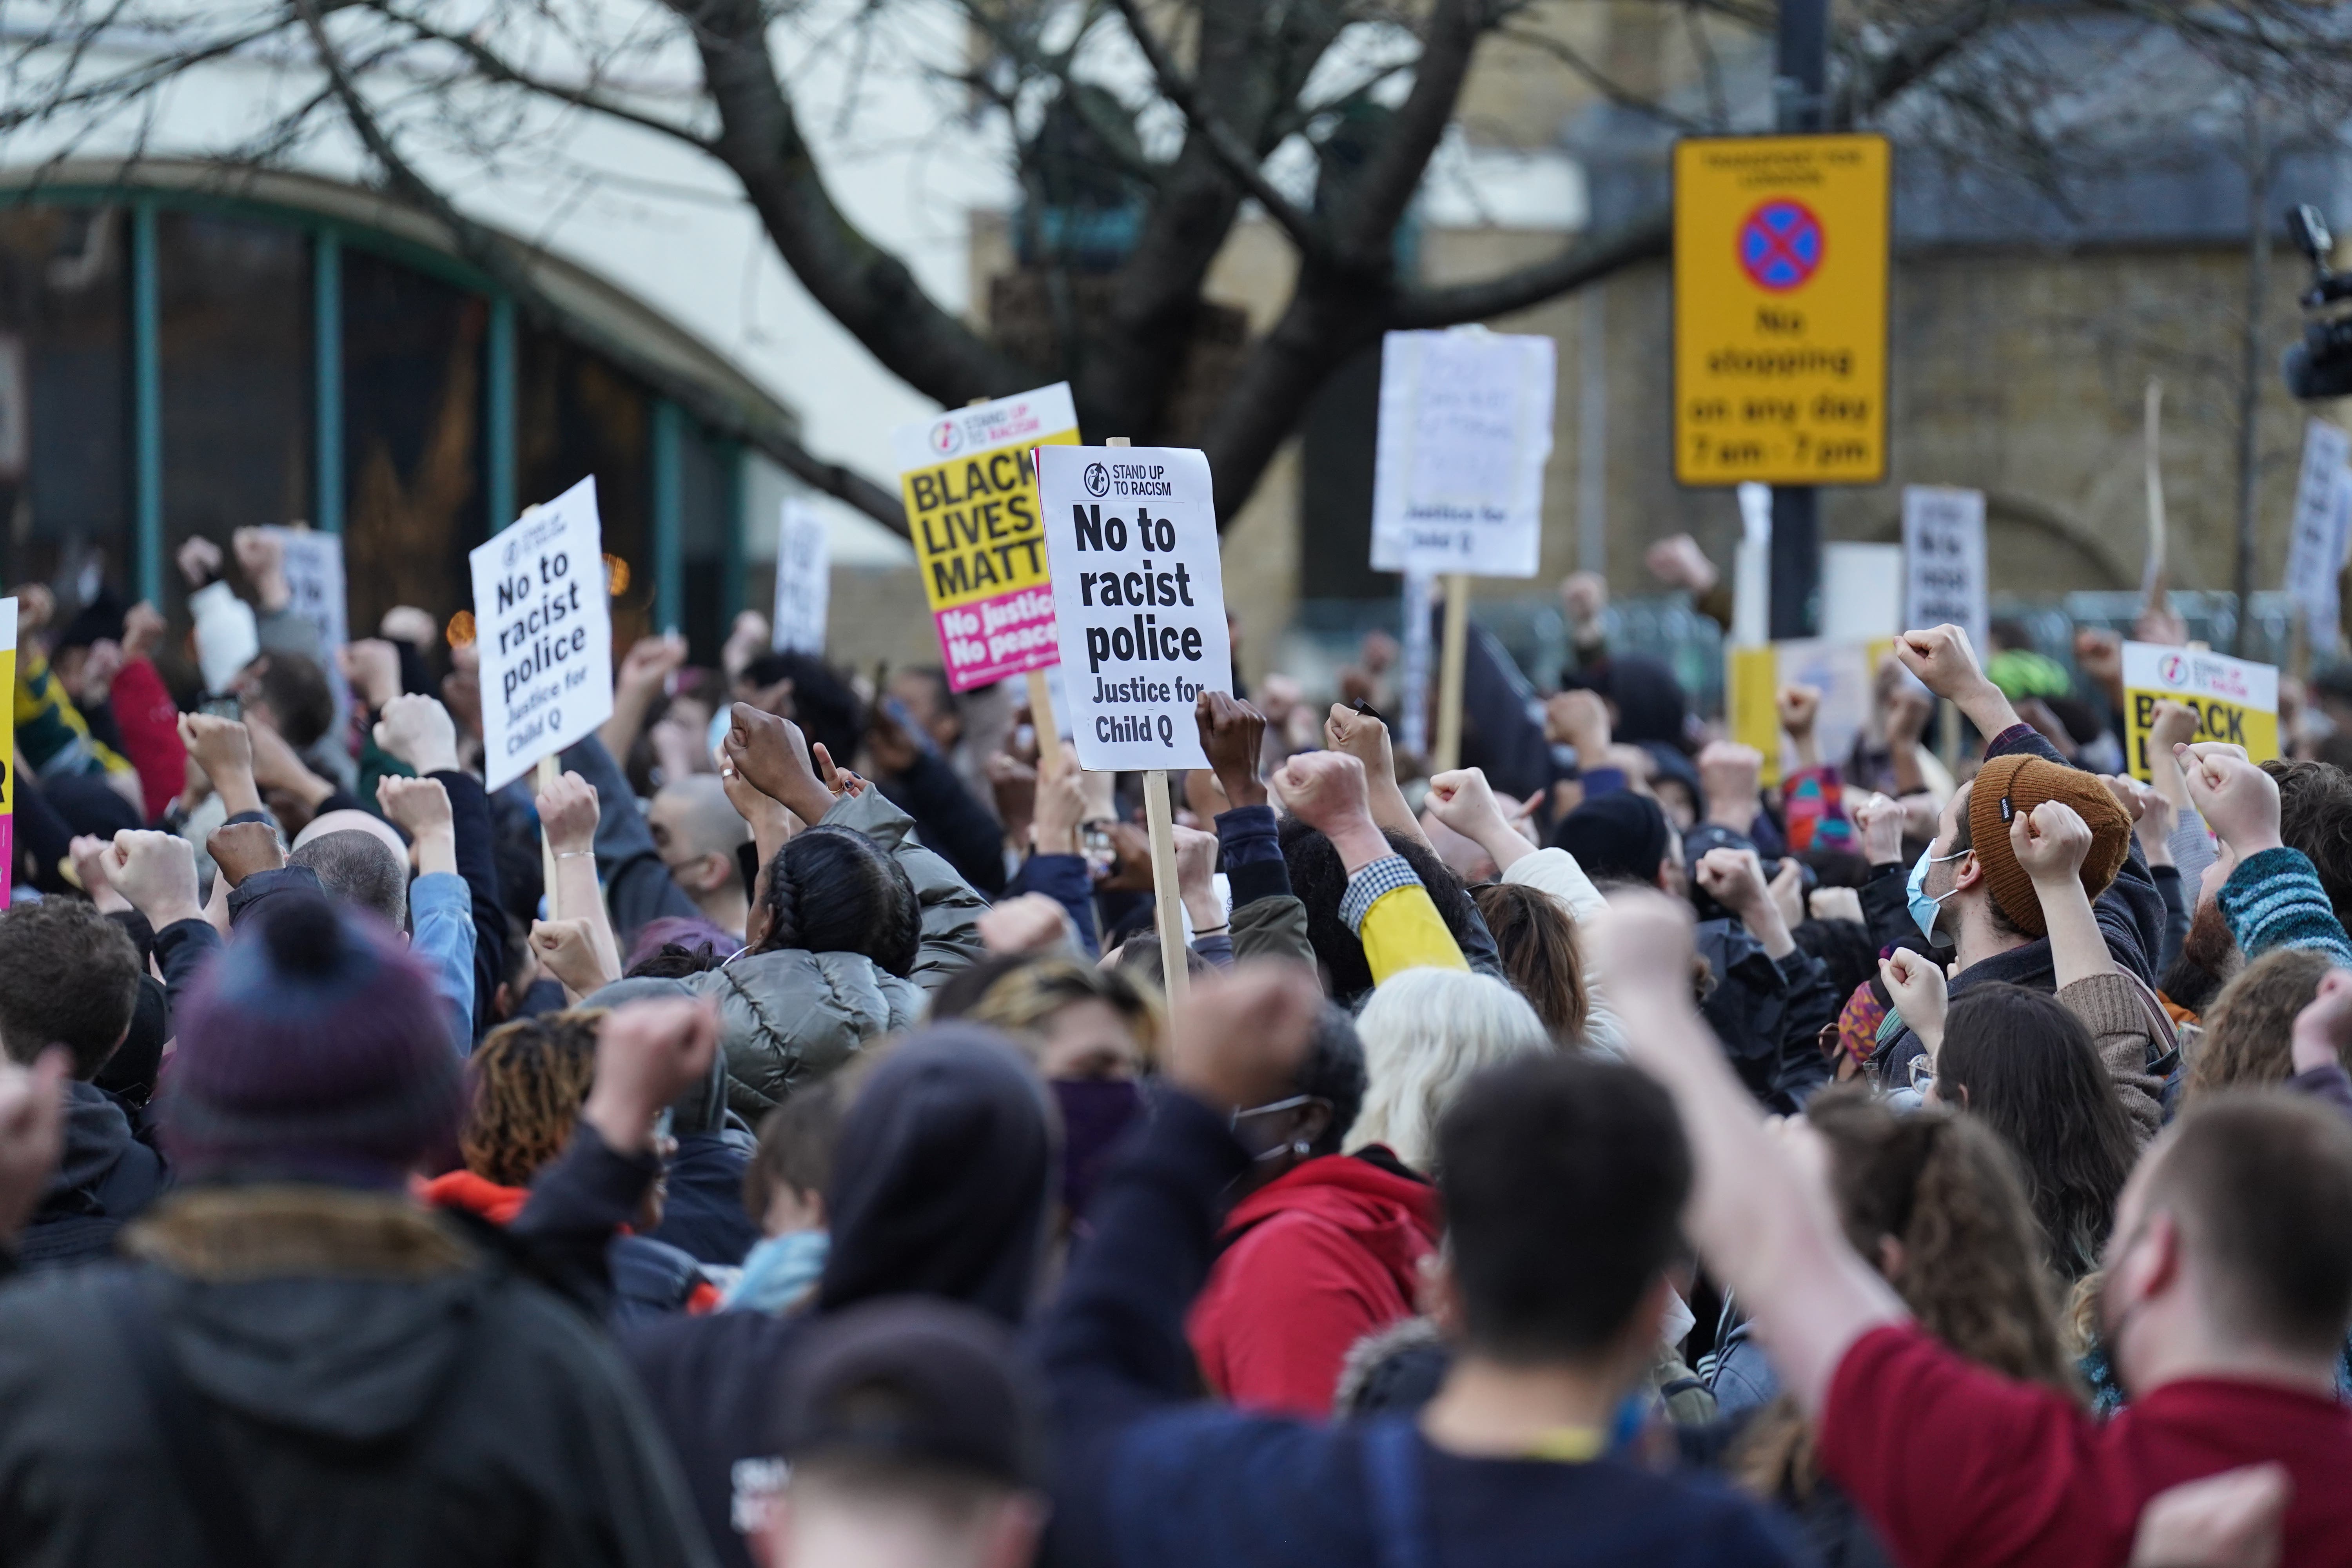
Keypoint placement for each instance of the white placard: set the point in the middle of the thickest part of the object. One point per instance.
(803, 578)
(2316, 538)
(1862, 592)
(1944, 560)
(543, 618)
(314, 576)
(1465, 428)
(1139, 601)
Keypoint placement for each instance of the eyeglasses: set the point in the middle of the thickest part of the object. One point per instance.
(1923, 1073)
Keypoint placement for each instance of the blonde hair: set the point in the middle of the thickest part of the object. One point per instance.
(1024, 1002)
(1426, 1032)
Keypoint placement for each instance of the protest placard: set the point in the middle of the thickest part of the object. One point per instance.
(803, 578)
(313, 563)
(2315, 535)
(543, 626)
(1131, 532)
(2235, 699)
(7, 749)
(1841, 672)
(971, 515)
(1944, 560)
(1465, 428)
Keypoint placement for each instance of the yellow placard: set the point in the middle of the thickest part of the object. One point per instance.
(1780, 266)
(2235, 699)
(8, 749)
(971, 515)
(1842, 672)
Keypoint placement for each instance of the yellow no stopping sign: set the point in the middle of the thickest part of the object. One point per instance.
(1781, 263)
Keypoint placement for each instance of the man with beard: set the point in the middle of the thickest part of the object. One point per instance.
(1969, 890)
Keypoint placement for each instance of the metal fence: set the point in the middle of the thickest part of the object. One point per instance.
(1326, 633)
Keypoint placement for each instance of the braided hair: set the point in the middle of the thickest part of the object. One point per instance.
(832, 890)
(529, 1081)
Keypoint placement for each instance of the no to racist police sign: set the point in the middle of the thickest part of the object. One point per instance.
(543, 625)
(971, 513)
(1780, 309)
(1137, 600)
(2235, 700)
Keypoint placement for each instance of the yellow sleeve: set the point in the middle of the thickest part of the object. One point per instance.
(1402, 930)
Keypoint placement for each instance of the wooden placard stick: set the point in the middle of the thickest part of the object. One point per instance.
(1167, 904)
(1048, 728)
(1454, 653)
(550, 768)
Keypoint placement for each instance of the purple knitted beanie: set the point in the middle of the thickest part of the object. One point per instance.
(314, 1048)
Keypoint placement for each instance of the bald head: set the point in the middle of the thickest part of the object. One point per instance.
(693, 816)
(350, 821)
(698, 831)
(357, 868)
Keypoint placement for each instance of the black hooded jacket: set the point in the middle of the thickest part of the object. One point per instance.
(386, 1389)
(941, 1186)
(106, 1178)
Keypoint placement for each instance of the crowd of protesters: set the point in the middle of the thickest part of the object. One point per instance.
(1591, 1153)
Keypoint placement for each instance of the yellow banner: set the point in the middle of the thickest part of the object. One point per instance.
(971, 515)
(1842, 672)
(2235, 699)
(8, 749)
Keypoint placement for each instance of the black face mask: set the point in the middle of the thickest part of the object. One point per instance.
(1096, 1115)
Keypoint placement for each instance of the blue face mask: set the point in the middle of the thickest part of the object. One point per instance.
(1923, 906)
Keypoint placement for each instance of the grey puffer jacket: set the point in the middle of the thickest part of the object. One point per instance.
(788, 1018)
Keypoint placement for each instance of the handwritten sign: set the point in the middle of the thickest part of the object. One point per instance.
(1139, 601)
(1944, 560)
(543, 618)
(803, 578)
(971, 514)
(314, 576)
(1466, 428)
(2316, 536)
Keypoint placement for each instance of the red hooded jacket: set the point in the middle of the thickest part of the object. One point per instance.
(1313, 1261)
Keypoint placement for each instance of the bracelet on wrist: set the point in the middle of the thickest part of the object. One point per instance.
(1212, 930)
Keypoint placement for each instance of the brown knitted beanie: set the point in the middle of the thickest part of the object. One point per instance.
(2009, 787)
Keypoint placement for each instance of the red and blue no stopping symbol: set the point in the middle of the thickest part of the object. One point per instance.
(1780, 245)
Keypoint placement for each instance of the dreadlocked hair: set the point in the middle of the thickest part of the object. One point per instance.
(832, 890)
(529, 1080)
(1968, 1259)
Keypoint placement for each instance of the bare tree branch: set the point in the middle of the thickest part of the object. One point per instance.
(1239, 157)
(497, 255)
(868, 290)
(1592, 257)
(1600, 81)
(496, 69)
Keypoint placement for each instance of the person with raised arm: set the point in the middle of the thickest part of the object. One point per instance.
(1561, 1176)
(1970, 889)
(2226, 1294)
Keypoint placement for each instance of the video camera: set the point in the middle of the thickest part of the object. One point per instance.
(2321, 364)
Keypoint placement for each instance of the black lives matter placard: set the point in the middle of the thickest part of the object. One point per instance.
(1140, 606)
(543, 624)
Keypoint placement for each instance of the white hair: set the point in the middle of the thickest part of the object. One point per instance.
(1426, 1032)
